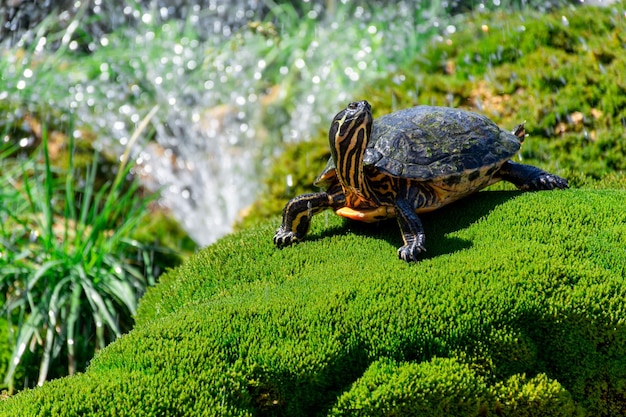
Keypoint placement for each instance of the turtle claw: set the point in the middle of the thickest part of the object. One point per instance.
(284, 237)
(546, 181)
(410, 253)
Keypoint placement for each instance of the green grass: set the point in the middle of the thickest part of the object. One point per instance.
(517, 309)
(71, 273)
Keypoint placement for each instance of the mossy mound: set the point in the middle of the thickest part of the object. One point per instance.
(517, 309)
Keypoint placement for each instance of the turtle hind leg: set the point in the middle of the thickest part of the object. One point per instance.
(528, 177)
(298, 212)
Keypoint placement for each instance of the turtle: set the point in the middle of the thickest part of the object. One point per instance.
(408, 162)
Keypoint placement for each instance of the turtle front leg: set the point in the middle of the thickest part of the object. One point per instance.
(412, 231)
(527, 177)
(298, 212)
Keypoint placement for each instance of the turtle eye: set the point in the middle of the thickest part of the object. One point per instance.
(353, 106)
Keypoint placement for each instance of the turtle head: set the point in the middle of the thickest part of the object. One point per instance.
(348, 137)
(354, 123)
(349, 134)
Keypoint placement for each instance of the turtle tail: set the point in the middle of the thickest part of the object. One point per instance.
(520, 131)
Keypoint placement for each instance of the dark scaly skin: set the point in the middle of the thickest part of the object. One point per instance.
(412, 231)
(365, 189)
(299, 210)
(530, 178)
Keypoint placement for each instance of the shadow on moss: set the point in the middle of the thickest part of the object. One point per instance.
(438, 241)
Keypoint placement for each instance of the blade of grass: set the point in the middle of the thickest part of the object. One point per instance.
(97, 222)
(41, 271)
(70, 207)
(131, 142)
(53, 312)
(99, 307)
(27, 331)
(46, 205)
(72, 319)
(89, 187)
(122, 291)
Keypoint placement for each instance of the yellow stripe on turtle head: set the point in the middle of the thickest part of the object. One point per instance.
(348, 137)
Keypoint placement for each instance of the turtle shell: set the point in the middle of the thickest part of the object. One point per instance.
(431, 143)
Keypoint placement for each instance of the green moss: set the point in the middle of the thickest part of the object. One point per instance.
(517, 309)
(436, 387)
(445, 387)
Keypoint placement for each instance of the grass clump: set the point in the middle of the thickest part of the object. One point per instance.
(517, 309)
(71, 272)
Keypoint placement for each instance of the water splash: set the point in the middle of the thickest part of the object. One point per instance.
(221, 128)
